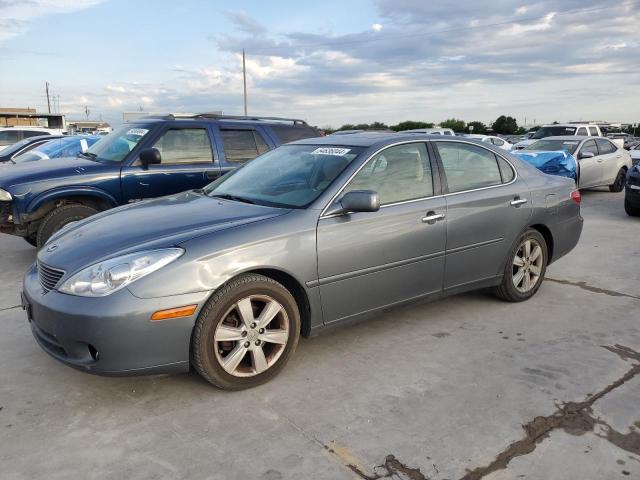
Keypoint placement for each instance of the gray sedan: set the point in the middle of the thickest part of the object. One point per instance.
(315, 232)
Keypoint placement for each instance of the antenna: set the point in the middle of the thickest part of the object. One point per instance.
(244, 81)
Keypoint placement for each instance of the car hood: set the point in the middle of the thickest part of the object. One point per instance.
(65, 167)
(158, 223)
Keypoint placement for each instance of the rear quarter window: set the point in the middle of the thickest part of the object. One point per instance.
(291, 133)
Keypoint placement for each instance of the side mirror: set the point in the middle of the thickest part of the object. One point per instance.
(582, 155)
(150, 156)
(356, 201)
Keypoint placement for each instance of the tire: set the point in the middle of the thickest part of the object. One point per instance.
(513, 290)
(31, 240)
(58, 218)
(221, 330)
(630, 209)
(618, 183)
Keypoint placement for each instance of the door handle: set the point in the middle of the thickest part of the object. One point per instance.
(516, 202)
(432, 217)
(212, 175)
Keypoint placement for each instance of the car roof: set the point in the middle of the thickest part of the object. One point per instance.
(371, 139)
(567, 137)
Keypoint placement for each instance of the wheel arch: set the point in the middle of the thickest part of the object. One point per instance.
(548, 239)
(297, 290)
(47, 201)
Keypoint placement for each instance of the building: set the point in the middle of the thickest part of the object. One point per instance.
(12, 117)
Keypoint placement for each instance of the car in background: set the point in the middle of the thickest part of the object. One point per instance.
(67, 146)
(600, 161)
(561, 129)
(431, 131)
(225, 279)
(23, 146)
(351, 132)
(497, 141)
(150, 157)
(634, 152)
(11, 135)
(632, 191)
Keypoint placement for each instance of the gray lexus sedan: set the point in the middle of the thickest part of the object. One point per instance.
(319, 231)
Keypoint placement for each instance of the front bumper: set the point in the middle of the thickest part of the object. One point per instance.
(111, 335)
(632, 193)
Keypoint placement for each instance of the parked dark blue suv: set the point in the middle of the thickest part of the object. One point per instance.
(147, 158)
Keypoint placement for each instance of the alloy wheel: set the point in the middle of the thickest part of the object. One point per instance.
(527, 265)
(251, 336)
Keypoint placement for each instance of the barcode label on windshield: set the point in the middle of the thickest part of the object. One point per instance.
(331, 151)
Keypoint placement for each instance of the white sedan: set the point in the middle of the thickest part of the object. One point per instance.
(497, 141)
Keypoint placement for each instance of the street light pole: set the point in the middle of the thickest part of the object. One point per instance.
(244, 81)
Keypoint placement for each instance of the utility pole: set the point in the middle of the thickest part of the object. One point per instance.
(87, 112)
(46, 87)
(244, 81)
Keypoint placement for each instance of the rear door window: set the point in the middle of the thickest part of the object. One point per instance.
(242, 145)
(582, 132)
(605, 146)
(468, 167)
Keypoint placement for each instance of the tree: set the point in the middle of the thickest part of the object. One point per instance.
(478, 127)
(454, 124)
(505, 125)
(410, 125)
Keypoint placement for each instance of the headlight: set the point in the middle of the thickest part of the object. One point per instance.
(109, 276)
(5, 196)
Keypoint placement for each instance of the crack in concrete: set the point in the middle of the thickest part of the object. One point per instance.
(574, 418)
(10, 308)
(590, 288)
(391, 468)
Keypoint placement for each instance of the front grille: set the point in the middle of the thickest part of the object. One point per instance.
(49, 276)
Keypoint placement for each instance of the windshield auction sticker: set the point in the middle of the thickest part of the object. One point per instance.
(141, 132)
(331, 151)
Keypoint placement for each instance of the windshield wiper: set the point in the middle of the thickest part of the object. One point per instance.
(89, 155)
(235, 198)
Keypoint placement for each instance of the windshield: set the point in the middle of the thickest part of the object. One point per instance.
(61, 147)
(291, 176)
(117, 145)
(568, 146)
(554, 131)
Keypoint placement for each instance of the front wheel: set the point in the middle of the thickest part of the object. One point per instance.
(525, 268)
(618, 183)
(59, 217)
(246, 333)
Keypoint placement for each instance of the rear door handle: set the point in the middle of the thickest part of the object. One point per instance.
(516, 202)
(432, 217)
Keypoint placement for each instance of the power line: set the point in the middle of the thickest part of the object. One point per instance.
(330, 43)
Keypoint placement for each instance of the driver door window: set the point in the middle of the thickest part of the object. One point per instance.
(184, 145)
(589, 146)
(397, 174)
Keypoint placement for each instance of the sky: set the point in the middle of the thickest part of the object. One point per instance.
(330, 63)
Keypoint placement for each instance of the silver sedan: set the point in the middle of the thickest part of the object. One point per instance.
(313, 233)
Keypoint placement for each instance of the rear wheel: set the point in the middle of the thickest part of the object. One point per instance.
(58, 218)
(618, 183)
(525, 268)
(246, 333)
(31, 240)
(630, 209)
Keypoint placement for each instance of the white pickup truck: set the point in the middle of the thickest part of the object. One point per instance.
(562, 130)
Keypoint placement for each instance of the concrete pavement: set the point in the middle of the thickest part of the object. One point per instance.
(434, 391)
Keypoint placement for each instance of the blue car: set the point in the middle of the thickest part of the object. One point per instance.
(58, 148)
(151, 157)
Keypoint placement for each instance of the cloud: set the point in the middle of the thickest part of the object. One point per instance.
(17, 15)
(376, 27)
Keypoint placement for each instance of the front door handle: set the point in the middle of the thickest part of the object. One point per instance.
(516, 202)
(432, 217)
